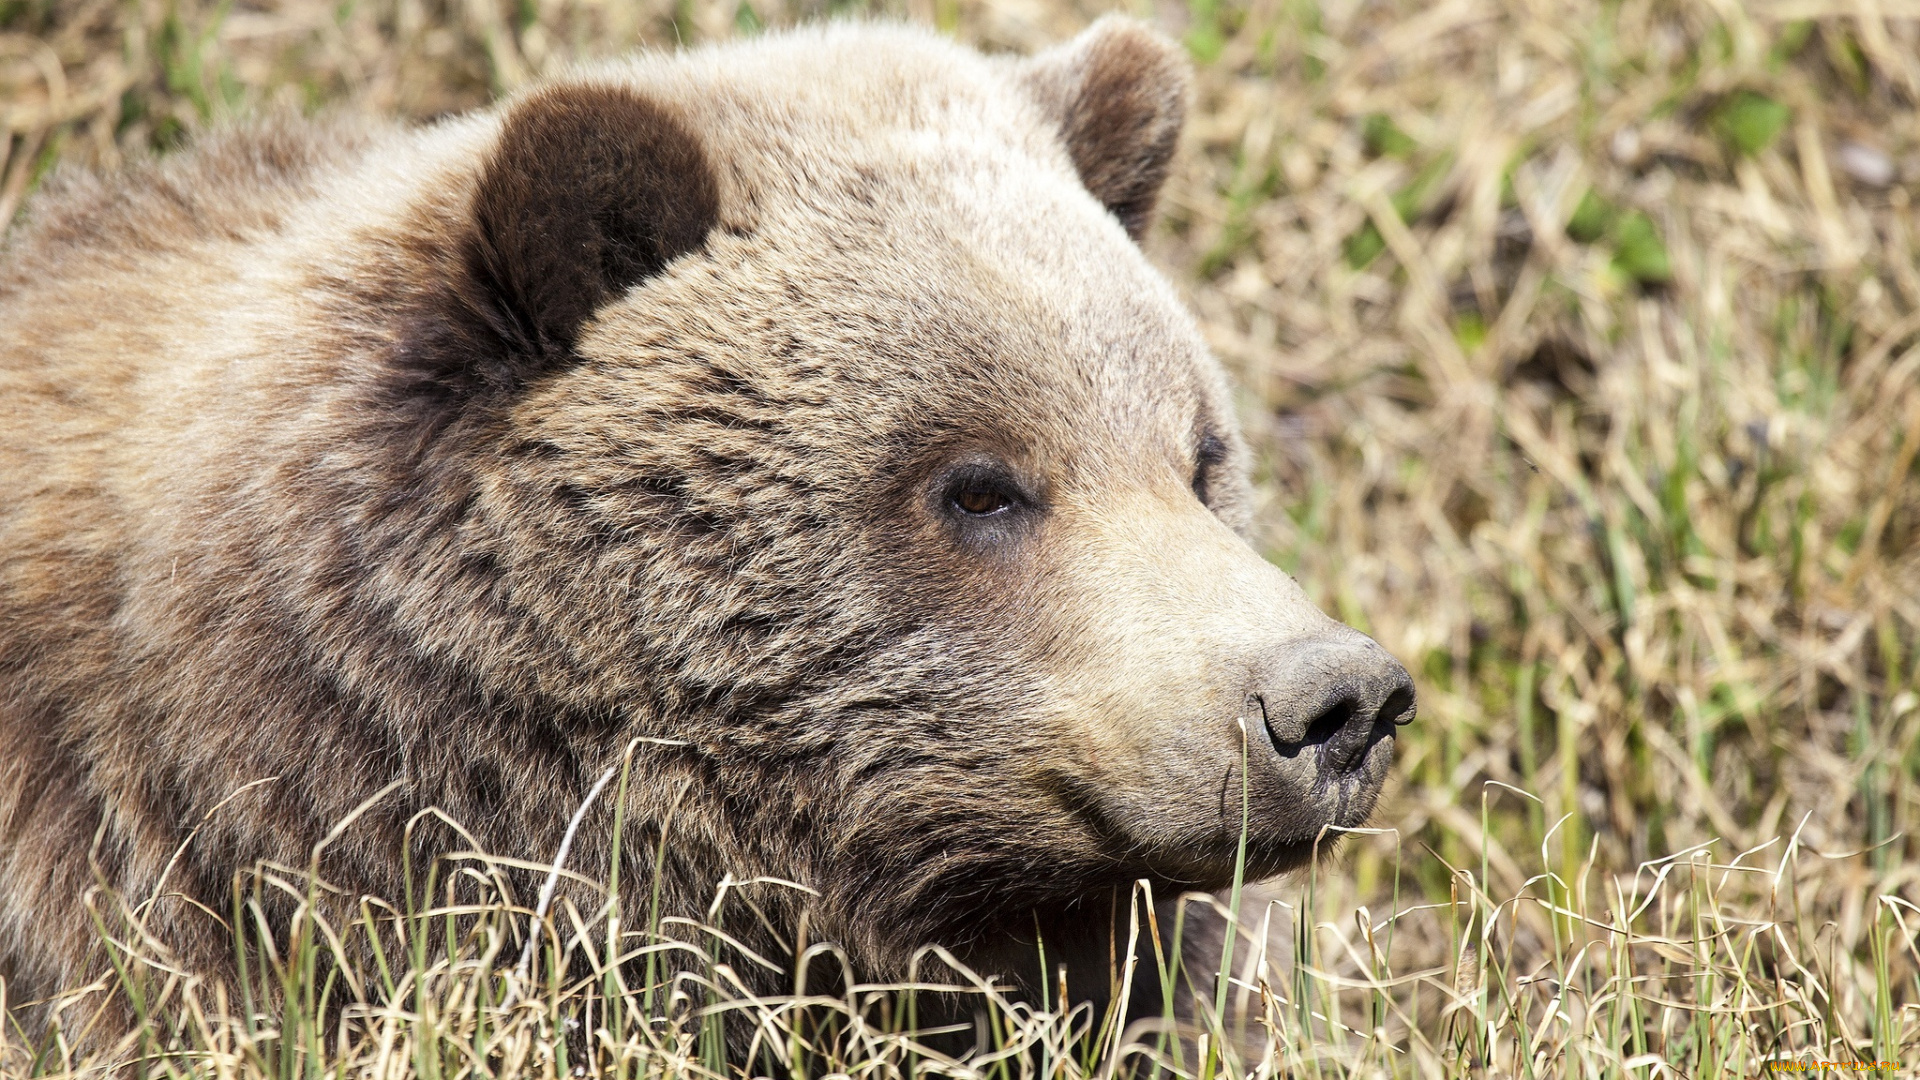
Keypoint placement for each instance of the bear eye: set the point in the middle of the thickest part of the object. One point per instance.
(980, 496)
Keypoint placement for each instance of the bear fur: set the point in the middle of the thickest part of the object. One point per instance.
(798, 418)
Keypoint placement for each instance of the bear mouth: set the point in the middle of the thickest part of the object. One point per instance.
(1285, 827)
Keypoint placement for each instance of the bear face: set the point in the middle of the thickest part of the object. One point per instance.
(913, 486)
(800, 418)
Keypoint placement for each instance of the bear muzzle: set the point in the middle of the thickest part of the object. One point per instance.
(1211, 696)
(1327, 705)
(1319, 718)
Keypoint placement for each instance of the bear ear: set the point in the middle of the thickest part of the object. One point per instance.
(1119, 94)
(590, 190)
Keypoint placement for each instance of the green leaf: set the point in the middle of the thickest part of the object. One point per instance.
(1384, 138)
(1792, 37)
(1205, 39)
(1592, 218)
(1638, 251)
(746, 21)
(1366, 243)
(1364, 246)
(1470, 330)
(1751, 121)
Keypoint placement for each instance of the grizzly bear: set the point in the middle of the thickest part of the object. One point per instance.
(799, 417)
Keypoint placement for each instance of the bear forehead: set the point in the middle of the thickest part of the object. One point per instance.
(895, 207)
(1045, 334)
(870, 129)
(801, 109)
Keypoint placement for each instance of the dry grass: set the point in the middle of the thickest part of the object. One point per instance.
(1581, 345)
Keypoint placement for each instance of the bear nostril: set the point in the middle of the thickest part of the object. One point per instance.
(1362, 727)
(1398, 709)
(1342, 697)
(1331, 720)
(1318, 732)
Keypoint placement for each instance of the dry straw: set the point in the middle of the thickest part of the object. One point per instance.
(1580, 346)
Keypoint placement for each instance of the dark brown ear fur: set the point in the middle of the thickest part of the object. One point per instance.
(590, 190)
(1119, 94)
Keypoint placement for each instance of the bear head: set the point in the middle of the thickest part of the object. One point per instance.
(821, 423)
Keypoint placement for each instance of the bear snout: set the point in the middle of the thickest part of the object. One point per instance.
(1326, 704)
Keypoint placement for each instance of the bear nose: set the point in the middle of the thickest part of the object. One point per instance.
(1337, 697)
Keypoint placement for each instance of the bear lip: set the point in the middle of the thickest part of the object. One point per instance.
(1288, 823)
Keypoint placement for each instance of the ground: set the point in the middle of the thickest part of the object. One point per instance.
(1580, 347)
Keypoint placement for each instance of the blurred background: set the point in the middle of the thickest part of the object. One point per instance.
(1579, 344)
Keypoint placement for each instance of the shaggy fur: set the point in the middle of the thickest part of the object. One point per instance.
(656, 404)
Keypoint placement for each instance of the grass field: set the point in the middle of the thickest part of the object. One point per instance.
(1579, 343)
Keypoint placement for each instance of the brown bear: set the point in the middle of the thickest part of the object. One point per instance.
(802, 408)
